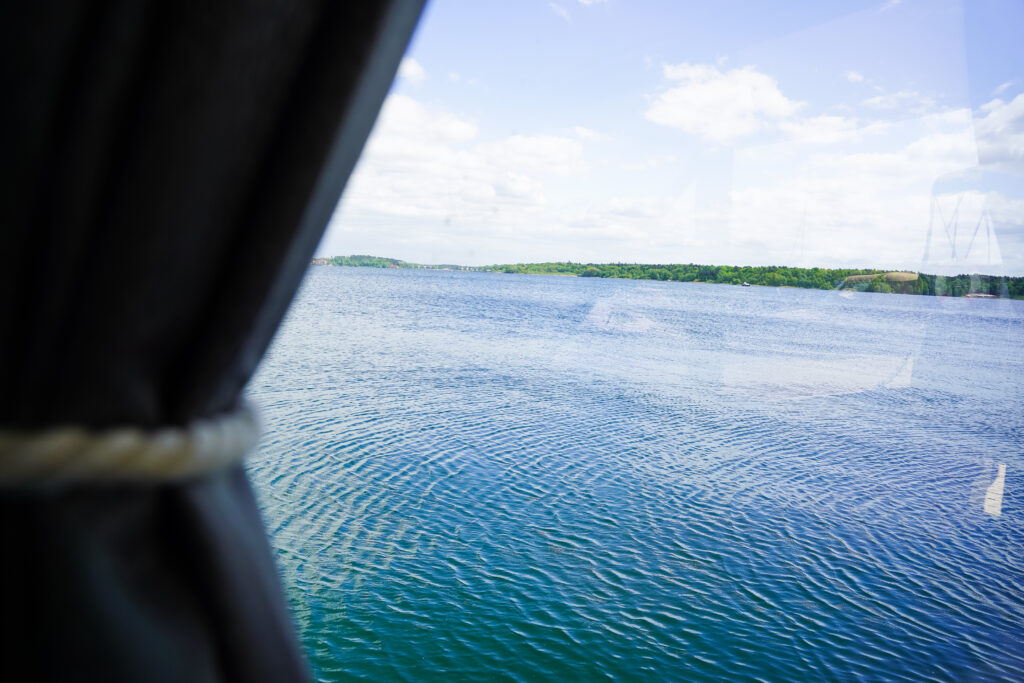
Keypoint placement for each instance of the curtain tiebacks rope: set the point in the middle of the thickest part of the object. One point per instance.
(72, 455)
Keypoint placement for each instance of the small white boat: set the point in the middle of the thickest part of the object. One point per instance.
(746, 284)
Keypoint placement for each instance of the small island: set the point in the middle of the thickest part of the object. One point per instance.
(856, 279)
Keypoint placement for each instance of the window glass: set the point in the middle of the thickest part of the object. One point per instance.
(525, 421)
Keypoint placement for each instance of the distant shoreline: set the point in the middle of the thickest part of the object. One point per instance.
(973, 285)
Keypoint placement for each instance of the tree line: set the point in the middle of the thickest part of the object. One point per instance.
(768, 276)
(780, 276)
(361, 261)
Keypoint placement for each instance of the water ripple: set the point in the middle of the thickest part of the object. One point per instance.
(480, 477)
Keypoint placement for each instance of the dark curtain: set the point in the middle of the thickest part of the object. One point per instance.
(168, 168)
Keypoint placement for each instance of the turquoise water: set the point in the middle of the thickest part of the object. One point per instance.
(472, 476)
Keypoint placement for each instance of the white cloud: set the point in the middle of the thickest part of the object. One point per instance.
(537, 154)
(592, 2)
(650, 162)
(587, 134)
(405, 119)
(870, 207)
(820, 130)
(454, 76)
(719, 107)
(938, 146)
(828, 191)
(724, 106)
(904, 98)
(889, 100)
(854, 77)
(425, 169)
(1000, 134)
(559, 10)
(411, 70)
(1001, 89)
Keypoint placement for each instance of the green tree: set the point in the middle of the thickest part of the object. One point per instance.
(878, 284)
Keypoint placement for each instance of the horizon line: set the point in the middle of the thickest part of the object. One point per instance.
(669, 263)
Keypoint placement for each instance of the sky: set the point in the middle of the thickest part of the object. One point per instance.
(885, 134)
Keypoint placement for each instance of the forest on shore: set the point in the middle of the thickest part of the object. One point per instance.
(862, 279)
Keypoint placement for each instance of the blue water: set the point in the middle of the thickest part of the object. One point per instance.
(474, 476)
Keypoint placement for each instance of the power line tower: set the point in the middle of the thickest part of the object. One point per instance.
(948, 217)
(961, 238)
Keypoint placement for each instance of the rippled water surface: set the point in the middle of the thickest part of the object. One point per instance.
(473, 476)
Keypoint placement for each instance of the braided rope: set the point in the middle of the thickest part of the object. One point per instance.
(72, 455)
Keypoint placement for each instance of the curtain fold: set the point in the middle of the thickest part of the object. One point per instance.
(168, 169)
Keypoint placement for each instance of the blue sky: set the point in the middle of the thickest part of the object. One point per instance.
(885, 134)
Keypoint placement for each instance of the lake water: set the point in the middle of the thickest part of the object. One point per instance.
(476, 476)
